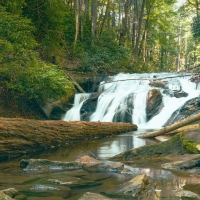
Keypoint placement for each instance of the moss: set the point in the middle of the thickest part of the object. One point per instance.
(188, 144)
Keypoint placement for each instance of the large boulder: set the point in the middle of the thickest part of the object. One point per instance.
(55, 109)
(191, 107)
(180, 144)
(154, 103)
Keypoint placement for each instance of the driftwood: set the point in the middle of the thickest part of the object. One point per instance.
(183, 129)
(20, 137)
(172, 127)
(75, 83)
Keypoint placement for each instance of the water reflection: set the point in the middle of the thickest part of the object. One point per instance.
(122, 143)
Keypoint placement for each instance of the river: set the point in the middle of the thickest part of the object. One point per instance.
(96, 179)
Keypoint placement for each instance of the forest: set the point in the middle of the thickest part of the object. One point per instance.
(42, 40)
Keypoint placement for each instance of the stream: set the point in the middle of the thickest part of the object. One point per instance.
(96, 179)
(121, 97)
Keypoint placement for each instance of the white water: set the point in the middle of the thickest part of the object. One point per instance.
(123, 94)
(74, 113)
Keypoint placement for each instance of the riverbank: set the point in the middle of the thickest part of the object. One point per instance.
(19, 137)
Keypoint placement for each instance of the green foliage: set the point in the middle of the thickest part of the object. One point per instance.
(106, 56)
(54, 24)
(13, 6)
(196, 27)
(21, 70)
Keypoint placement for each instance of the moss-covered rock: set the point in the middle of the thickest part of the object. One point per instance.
(182, 143)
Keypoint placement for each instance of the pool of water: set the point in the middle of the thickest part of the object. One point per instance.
(96, 179)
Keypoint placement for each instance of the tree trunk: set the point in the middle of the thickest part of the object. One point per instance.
(172, 127)
(113, 16)
(135, 23)
(76, 7)
(94, 20)
(105, 16)
(136, 50)
(123, 30)
(183, 129)
(20, 137)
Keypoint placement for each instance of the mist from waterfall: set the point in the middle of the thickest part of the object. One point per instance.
(124, 96)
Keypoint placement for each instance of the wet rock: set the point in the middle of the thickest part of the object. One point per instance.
(127, 171)
(123, 116)
(158, 83)
(125, 110)
(55, 109)
(187, 163)
(186, 193)
(154, 103)
(88, 161)
(92, 196)
(43, 187)
(195, 79)
(168, 92)
(180, 94)
(56, 181)
(4, 196)
(90, 181)
(44, 165)
(118, 167)
(191, 107)
(12, 192)
(135, 186)
(89, 106)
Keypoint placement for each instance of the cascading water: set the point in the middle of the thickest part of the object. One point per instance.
(74, 113)
(123, 98)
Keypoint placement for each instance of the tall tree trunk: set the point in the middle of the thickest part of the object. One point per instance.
(123, 30)
(113, 16)
(105, 16)
(94, 20)
(136, 49)
(135, 22)
(76, 9)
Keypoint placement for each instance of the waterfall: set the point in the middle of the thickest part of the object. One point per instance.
(123, 98)
(74, 113)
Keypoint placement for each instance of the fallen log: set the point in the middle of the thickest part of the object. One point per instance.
(20, 137)
(171, 127)
(183, 129)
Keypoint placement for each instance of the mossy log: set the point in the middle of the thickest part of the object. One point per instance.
(172, 127)
(20, 137)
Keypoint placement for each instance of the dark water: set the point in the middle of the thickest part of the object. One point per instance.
(96, 179)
